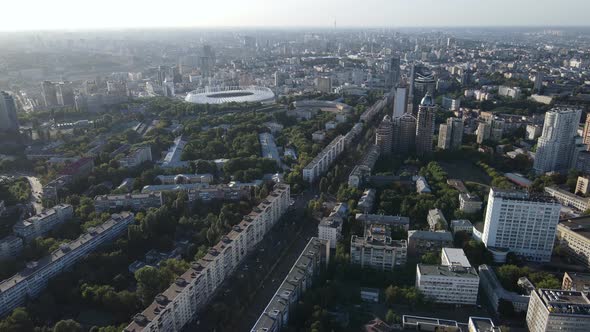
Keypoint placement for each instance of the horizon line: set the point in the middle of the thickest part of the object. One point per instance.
(290, 27)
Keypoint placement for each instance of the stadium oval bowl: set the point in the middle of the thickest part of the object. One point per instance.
(224, 95)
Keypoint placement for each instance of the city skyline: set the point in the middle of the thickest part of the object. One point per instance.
(68, 15)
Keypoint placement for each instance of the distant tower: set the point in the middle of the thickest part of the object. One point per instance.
(404, 133)
(384, 136)
(400, 103)
(539, 77)
(392, 77)
(49, 94)
(450, 134)
(8, 118)
(425, 126)
(555, 147)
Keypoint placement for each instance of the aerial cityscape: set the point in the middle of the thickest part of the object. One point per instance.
(310, 167)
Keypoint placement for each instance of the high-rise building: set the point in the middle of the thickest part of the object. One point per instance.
(8, 118)
(49, 92)
(404, 133)
(539, 76)
(323, 84)
(207, 61)
(64, 93)
(556, 310)
(392, 77)
(555, 147)
(522, 223)
(401, 102)
(384, 136)
(450, 135)
(586, 133)
(425, 126)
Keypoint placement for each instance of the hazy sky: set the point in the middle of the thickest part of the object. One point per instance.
(85, 14)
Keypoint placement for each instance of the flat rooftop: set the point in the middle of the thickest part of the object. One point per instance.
(565, 302)
(447, 271)
(579, 225)
(456, 256)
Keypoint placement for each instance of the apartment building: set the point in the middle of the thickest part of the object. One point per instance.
(133, 202)
(185, 178)
(555, 310)
(301, 276)
(573, 235)
(377, 250)
(568, 199)
(522, 223)
(29, 282)
(10, 246)
(576, 282)
(219, 192)
(494, 292)
(40, 224)
(461, 225)
(330, 229)
(51, 189)
(320, 164)
(181, 302)
(367, 200)
(436, 220)
(421, 242)
(469, 203)
(136, 157)
(389, 221)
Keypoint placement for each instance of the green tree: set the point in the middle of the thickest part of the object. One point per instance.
(67, 326)
(19, 320)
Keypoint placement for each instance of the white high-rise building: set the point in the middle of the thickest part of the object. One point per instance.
(521, 223)
(555, 147)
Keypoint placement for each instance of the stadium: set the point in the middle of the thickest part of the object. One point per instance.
(231, 94)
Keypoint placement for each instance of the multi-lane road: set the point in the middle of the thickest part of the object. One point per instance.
(243, 297)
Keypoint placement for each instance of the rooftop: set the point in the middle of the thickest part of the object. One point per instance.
(580, 225)
(448, 271)
(521, 196)
(456, 256)
(426, 235)
(564, 302)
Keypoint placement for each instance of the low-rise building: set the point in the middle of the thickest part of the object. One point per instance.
(185, 178)
(421, 242)
(454, 284)
(573, 236)
(320, 164)
(42, 223)
(178, 305)
(10, 247)
(277, 313)
(469, 203)
(133, 202)
(390, 221)
(418, 323)
(482, 324)
(219, 192)
(367, 200)
(29, 282)
(576, 281)
(494, 292)
(461, 225)
(377, 250)
(555, 310)
(51, 189)
(437, 221)
(422, 186)
(568, 199)
(80, 168)
(454, 257)
(136, 157)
